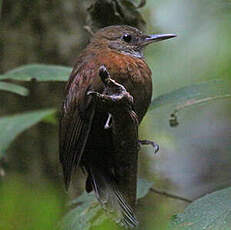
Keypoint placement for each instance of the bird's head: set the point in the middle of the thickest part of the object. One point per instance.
(126, 39)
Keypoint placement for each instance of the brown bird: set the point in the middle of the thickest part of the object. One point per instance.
(84, 141)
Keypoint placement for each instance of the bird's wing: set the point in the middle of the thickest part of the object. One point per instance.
(76, 119)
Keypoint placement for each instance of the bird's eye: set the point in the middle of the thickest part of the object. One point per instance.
(127, 38)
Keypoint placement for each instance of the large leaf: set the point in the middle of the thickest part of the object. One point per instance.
(190, 95)
(143, 187)
(39, 72)
(13, 88)
(211, 212)
(88, 213)
(12, 126)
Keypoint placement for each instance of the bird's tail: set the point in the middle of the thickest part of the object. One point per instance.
(110, 197)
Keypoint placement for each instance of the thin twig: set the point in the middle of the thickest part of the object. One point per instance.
(173, 121)
(170, 195)
(200, 101)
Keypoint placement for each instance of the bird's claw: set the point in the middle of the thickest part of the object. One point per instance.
(148, 142)
(97, 96)
(108, 124)
(91, 92)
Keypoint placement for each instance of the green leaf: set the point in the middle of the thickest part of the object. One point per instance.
(80, 217)
(88, 212)
(211, 212)
(13, 88)
(12, 126)
(143, 187)
(191, 94)
(51, 119)
(38, 72)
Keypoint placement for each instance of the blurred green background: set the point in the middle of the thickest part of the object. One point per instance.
(194, 157)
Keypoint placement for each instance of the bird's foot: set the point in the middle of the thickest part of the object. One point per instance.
(114, 97)
(148, 142)
(94, 94)
(108, 123)
(117, 91)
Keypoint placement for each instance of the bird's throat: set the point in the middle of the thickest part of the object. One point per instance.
(133, 53)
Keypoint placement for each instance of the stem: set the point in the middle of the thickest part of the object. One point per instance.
(163, 193)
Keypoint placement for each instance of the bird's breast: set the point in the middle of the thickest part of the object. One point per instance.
(135, 75)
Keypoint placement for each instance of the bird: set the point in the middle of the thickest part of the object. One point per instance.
(84, 141)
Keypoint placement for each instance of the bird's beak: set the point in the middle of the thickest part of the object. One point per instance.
(156, 38)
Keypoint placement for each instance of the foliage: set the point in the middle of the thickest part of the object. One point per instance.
(88, 214)
(38, 72)
(200, 52)
(189, 95)
(13, 88)
(212, 211)
(13, 125)
(192, 95)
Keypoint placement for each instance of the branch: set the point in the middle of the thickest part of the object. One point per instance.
(170, 195)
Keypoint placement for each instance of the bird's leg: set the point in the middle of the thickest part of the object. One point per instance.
(148, 142)
(108, 122)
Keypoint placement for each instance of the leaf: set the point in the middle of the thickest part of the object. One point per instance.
(12, 126)
(80, 217)
(13, 88)
(89, 213)
(38, 72)
(211, 212)
(51, 119)
(188, 94)
(143, 187)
